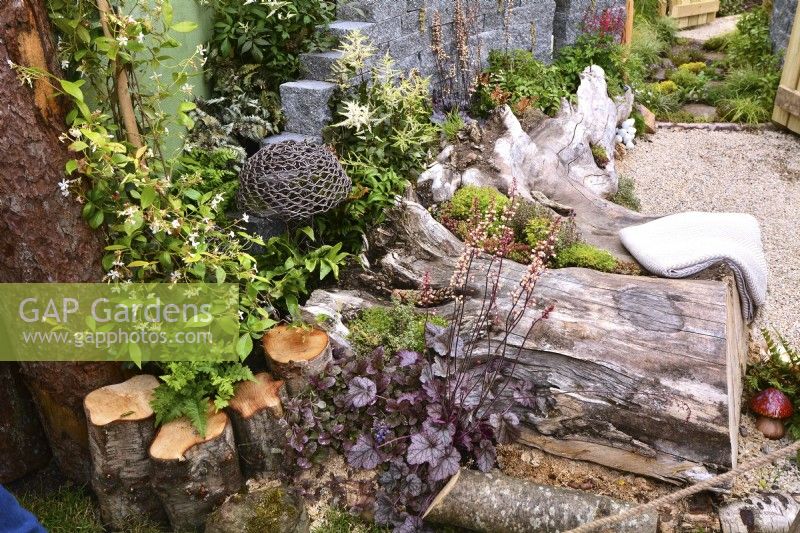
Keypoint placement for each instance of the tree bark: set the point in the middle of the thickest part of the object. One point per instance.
(192, 474)
(255, 411)
(121, 429)
(42, 235)
(637, 373)
(23, 446)
(296, 354)
(496, 503)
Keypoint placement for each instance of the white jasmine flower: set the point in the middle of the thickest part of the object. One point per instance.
(231, 234)
(193, 239)
(187, 88)
(156, 226)
(241, 315)
(113, 274)
(174, 277)
(176, 223)
(64, 186)
(64, 64)
(122, 40)
(245, 218)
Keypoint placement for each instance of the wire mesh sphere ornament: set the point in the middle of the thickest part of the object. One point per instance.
(292, 181)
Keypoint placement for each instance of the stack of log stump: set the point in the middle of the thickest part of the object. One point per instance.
(174, 475)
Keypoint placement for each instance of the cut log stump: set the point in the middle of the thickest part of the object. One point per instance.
(194, 474)
(23, 445)
(496, 503)
(255, 411)
(636, 373)
(121, 427)
(295, 354)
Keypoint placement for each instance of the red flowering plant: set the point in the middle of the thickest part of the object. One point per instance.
(416, 417)
(609, 21)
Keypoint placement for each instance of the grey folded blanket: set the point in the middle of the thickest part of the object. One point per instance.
(678, 246)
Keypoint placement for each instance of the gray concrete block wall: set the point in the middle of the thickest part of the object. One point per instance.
(783, 13)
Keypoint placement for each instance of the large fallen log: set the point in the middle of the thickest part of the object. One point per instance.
(642, 374)
(496, 503)
(121, 427)
(193, 474)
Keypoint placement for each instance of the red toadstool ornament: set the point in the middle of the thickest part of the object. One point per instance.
(772, 407)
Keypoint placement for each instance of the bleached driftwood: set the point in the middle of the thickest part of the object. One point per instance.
(496, 503)
(643, 374)
(121, 427)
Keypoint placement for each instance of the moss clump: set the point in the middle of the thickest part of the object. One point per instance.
(273, 512)
(600, 155)
(585, 256)
(461, 205)
(666, 87)
(695, 67)
(399, 327)
(626, 194)
(338, 521)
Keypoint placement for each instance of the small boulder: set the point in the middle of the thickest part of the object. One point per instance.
(649, 119)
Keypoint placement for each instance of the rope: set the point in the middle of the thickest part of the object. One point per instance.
(688, 491)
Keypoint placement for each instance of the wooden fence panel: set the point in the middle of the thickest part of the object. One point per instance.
(787, 101)
(690, 13)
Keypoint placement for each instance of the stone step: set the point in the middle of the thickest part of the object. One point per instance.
(289, 136)
(372, 10)
(306, 105)
(319, 65)
(380, 33)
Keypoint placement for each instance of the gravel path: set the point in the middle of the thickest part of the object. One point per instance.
(720, 26)
(751, 172)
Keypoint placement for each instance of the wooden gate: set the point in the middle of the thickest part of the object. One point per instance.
(689, 13)
(787, 101)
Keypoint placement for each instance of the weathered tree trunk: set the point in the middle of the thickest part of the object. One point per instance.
(59, 390)
(23, 447)
(42, 235)
(192, 474)
(639, 373)
(121, 428)
(296, 354)
(760, 513)
(496, 503)
(255, 411)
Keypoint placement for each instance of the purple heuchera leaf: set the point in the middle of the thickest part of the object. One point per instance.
(425, 447)
(447, 466)
(437, 339)
(412, 524)
(485, 455)
(363, 454)
(407, 357)
(361, 391)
